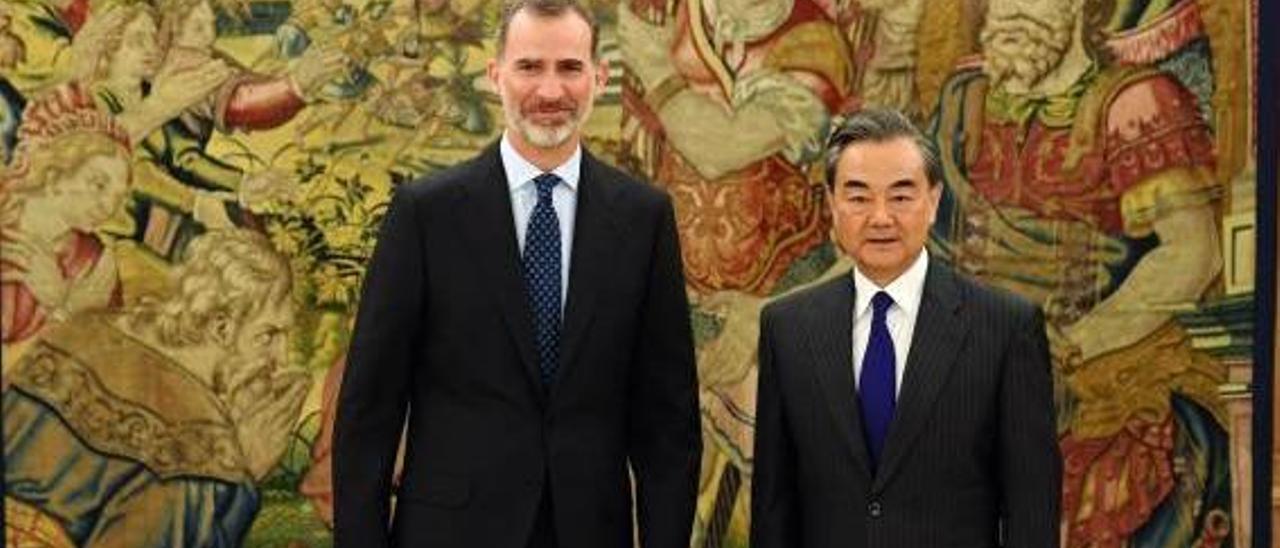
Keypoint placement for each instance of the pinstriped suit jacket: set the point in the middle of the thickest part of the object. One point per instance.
(971, 459)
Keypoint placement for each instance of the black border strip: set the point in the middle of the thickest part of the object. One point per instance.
(1265, 267)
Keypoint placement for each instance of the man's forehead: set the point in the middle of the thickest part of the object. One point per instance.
(533, 34)
(535, 52)
(883, 180)
(899, 152)
(279, 314)
(877, 170)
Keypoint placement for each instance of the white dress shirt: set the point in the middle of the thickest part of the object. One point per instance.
(906, 291)
(524, 196)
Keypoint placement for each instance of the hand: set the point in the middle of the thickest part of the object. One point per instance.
(266, 406)
(262, 187)
(175, 91)
(316, 67)
(37, 269)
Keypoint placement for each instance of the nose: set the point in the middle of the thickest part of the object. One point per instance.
(880, 212)
(549, 89)
(279, 351)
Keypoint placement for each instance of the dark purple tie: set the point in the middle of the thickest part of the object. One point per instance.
(875, 383)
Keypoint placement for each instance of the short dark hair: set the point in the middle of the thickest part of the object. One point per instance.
(546, 8)
(878, 125)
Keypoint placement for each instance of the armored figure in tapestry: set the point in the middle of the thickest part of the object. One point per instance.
(1089, 186)
(768, 77)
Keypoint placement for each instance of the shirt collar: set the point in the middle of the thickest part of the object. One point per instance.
(906, 290)
(521, 172)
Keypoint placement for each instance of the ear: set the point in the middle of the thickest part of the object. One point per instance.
(935, 200)
(602, 75)
(491, 70)
(833, 233)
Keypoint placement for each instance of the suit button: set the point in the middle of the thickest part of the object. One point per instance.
(874, 510)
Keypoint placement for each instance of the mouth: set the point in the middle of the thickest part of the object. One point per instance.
(550, 117)
(881, 241)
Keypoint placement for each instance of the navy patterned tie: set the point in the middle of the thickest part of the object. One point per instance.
(541, 262)
(875, 382)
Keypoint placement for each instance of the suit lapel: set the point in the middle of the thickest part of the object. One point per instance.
(484, 211)
(593, 239)
(830, 340)
(939, 334)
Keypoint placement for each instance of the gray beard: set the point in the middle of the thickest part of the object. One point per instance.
(548, 137)
(1020, 64)
(545, 137)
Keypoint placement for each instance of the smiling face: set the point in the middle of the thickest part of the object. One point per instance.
(547, 77)
(882, 205)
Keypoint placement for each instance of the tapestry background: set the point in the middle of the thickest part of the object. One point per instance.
(192, 188)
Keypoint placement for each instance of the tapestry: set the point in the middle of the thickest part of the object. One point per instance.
(191, 190)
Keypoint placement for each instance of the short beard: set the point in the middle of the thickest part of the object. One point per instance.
(547, 137)
(1020, 51)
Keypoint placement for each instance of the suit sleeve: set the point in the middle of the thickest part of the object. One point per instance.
(373, 395)
(1031, 465)
(664, 438)
(774, 504)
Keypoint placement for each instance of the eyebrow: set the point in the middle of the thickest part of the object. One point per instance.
(855, 183)
(539, 61)
(896, 185)
(902, 184)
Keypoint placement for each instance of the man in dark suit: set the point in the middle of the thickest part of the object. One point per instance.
(901, 405)
(533, 420)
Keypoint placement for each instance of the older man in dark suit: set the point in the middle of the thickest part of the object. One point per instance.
(529, 308)
(901, 405)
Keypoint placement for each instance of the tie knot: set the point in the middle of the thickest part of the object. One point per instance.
(545, 183)
(880, 303)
